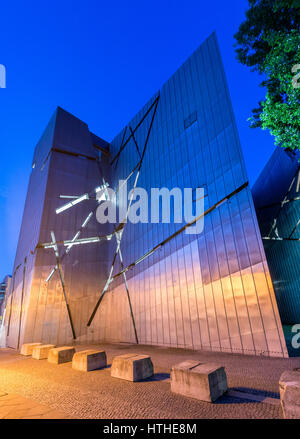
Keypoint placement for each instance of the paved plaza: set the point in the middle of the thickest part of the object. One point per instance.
(37, 389)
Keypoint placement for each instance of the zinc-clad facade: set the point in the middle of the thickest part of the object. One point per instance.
(65, 163)
(277, 200)
(209, 291)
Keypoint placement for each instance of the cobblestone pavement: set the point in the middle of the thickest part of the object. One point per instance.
(59, 391)
(17, 407)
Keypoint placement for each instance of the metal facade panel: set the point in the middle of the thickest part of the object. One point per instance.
(208, 291)
(277, 200)
(226, 304)
(84, 270)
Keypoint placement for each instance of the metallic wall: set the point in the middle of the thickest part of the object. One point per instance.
(4, 289)
(277, 200)
(28, 238)
(65, 163)
(210, 291)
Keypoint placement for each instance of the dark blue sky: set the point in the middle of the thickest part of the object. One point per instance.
(102, 60)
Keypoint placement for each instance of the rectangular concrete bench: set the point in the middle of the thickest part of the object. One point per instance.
(132, 367)
(86, 361)
(289, 388)
(61, 355)
(206, 382)
(27, 348)
(41, 352)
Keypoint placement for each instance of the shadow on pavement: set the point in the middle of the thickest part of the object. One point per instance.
(157, 377)
(231, 399)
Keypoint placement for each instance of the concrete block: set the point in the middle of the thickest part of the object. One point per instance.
(61, 355)
(86, 361)
(41, 352)
(289, 388)
(132, 367)
(203, 381)
(27, 348)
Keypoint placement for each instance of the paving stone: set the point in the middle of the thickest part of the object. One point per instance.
(253, 397)
(98, 395)
(88, 360)
(18, 407)
(27, 348)
(41, 352)
(132, 367)
(61, 355)
(289, 388)
(203, 381)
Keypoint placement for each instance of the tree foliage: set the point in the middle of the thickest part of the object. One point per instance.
(268, 41)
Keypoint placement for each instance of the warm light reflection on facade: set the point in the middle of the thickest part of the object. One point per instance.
(209, 291)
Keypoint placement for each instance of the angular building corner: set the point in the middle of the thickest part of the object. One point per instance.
(66, 162)
(211, 291)
(276, 195)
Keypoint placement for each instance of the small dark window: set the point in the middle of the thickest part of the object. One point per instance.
(190, 120)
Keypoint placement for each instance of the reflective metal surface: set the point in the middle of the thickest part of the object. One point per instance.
(277, 200)
(208, 291)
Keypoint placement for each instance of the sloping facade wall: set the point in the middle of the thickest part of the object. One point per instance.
(65, 163)
(277, 198)
(28, 238)
(208, 291)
